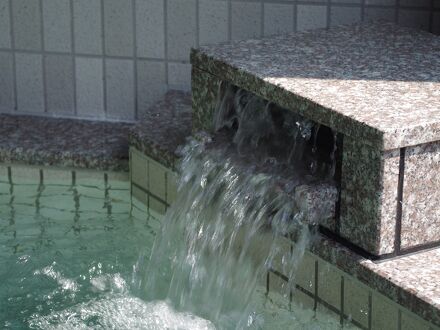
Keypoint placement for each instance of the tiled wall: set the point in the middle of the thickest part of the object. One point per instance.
(110, 59)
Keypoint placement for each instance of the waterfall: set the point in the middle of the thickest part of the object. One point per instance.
(236, 196)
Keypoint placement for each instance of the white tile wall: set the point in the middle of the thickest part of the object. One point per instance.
(62, 57)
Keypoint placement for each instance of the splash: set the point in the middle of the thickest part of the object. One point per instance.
(240, 189)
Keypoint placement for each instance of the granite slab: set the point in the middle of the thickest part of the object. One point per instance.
(377, 81)
(60, 142)
(163, 128)
(412, 281)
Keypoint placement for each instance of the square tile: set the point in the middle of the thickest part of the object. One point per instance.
(278, 286)
(120, 89)
(7, 103)
(25, 174)
(30, 90)
(156, 179)
(344, 15)
(171, 187)
(282, 259)
(179, 76)
(89, 87)
(278, 18)
(246, 20)
(384, 313)
(151, 83)
(356, 301)
(302, 300)
(87, 26)
(305, 273)
(27, 24)
(60, 84)
(329, 284)
(140, 195)
(411, 322)
(156, 205)
(150, 28)
(213, 21)
(311, 17)
(57, 176)
(139, 169)
(181, 28)
(118, 28)
(5, 24)
(57, 25)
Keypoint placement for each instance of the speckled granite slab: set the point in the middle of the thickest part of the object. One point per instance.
(64, 142)
(378, 82)
(378, 85)
(163, 128)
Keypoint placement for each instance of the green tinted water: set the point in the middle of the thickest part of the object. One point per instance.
(69, 247)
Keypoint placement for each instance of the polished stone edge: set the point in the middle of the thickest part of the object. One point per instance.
(288, 100)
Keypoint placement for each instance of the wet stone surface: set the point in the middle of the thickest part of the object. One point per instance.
(163, 128)
(64, 142)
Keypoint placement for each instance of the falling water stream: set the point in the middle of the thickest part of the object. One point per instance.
(236, 197)
(239, 190)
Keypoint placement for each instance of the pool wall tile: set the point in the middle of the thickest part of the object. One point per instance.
(87, 21)
(57, 25)
(409, 321)
(157, 179)
(138, 169)
(26, 15)
(59, 84)
(384, 313)
(213, 21)
(357, 302)
(156, 205)
(150, 28)
(29, 83)
(329, 284)
(120, 89)
(181, 28)
(7, 82)
(118, 27)
(140, 195)
(5, 25)
(278, 285)
(171, 187)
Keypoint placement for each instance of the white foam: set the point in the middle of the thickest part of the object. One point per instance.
(120, 312)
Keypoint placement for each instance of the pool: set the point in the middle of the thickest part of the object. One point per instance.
(70, 247)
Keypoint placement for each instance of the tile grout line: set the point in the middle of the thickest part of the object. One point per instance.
(116, 57)
(370, 310)
(104, 52)
(14, 65)
(315, 302)
(73, 45)
(197, 27)
(43, 56)
(165, 27)
(135, 60)
(229, 20)
(294, 21)
(342, 297)
(328, 14)
(262, 13)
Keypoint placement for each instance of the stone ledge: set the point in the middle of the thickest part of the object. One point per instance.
(363, 80)
(163, 128)
(60, 142)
